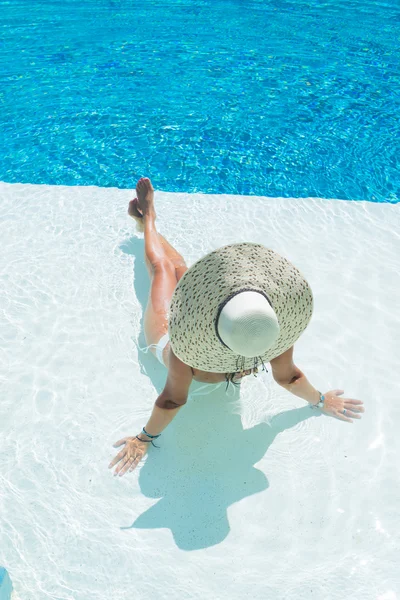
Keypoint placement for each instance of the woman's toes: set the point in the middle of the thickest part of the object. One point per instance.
(139, 187)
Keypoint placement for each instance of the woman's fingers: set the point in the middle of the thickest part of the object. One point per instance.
(355, 405)
(123, 468)
(343, 417)
(120, 442)
(119, 457)
(129, 457)
(352, 415)
(121, 465)
(345, 409)
(134, 465)
(353, 401)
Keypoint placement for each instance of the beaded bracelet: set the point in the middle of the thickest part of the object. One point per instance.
(153, 437)
(147, 441)
(320, 404)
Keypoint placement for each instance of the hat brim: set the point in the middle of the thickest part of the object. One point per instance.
(198, 295)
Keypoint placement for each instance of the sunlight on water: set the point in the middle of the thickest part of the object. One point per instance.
(280, 98)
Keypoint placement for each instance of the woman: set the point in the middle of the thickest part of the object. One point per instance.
(238, 307)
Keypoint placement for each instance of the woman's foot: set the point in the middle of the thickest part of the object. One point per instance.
(145, 194)
(143, 204)
(135, 212)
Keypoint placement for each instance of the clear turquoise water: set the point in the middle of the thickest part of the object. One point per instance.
(280, 98)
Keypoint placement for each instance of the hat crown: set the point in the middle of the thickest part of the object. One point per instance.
(248, 325)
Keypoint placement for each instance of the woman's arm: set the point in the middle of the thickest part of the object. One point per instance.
(172, 398)
(292, 379)
(287, 375)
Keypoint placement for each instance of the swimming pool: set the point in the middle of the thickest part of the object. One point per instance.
(249, 496)
(281, 98)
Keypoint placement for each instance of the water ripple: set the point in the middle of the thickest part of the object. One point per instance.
(304, 102)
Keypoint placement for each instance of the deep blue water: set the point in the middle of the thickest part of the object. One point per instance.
(276, 98)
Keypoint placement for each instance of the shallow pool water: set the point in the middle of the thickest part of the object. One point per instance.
(283, 98)
(251, 496)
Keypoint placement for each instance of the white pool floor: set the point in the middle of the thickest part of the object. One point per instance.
(252, 496)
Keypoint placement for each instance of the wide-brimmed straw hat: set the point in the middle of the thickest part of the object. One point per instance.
(237, 307)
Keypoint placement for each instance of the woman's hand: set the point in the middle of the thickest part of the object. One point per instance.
(130, 455)
(344, 409)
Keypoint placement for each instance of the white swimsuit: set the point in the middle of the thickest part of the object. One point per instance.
(159, 353)
(159, 348)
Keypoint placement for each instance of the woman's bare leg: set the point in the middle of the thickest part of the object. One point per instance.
(162, 266)
(134, 211)
(177, 259)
